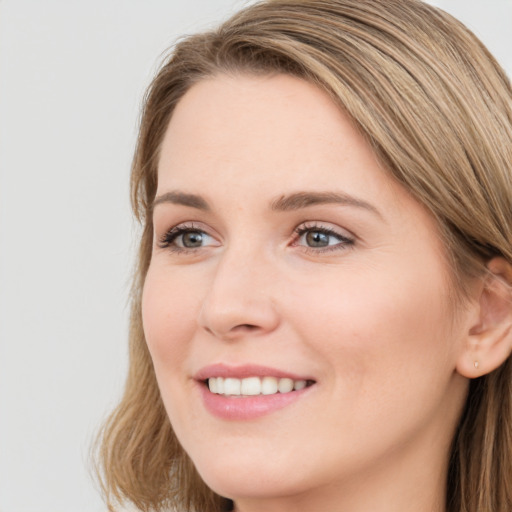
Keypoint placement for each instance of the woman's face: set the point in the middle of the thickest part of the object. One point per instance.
(286, 257)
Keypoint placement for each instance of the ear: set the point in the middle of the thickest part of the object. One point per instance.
(489, 339)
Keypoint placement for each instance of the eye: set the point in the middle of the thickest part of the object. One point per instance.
(315, 237)
(184, 238)
(318, 239)
(191, 239)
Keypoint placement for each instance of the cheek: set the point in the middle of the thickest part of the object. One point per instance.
(386, 352)
(169, 312)
(377, 328)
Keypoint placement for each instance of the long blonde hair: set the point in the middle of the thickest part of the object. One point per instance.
(437, 110)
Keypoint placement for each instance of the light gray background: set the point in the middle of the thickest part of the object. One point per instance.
(72, 75)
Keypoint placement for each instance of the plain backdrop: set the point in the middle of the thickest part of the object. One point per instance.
(72, 75)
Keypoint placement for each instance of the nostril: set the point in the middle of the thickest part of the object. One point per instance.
(236, 330)
(246, 327)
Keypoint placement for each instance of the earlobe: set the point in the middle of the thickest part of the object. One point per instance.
(489, 339)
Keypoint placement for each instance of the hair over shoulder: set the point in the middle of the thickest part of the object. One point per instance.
(437, 109)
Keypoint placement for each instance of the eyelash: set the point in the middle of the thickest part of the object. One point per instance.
(344, 242)
(167, 241)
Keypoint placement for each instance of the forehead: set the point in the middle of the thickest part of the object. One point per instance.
(266, 128)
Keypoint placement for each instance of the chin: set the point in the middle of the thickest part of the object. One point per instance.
(250, 479)
(254, 487)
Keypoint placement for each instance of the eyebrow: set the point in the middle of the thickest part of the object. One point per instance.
(291, 202)
(300, 200)
(176, 197)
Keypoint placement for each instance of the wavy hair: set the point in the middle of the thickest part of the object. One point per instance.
(437, 110)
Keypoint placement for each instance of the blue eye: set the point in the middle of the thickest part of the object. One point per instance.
(316, 237)
(191, 239)
(186, 238)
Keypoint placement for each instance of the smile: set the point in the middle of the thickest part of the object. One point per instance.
(250, 391)
(252, 386)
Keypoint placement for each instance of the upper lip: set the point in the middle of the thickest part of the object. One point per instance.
(243, 371)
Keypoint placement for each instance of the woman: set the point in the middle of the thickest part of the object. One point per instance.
(322, 310)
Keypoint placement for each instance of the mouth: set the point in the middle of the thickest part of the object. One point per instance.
(249, 392)
(254, 386)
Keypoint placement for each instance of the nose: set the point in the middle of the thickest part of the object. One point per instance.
(240, 299)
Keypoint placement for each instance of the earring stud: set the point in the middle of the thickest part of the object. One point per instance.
(477, 364)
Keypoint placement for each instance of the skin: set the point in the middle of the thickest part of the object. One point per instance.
(369, 320)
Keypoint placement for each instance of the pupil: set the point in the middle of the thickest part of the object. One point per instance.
(317, 239)
(192, 239)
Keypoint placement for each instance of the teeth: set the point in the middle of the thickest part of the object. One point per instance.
(285, 385)
(299, 384)
(252, 386)
(269, 385)
(212, 385)
(232, 386)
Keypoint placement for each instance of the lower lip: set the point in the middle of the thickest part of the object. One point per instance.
(247, 407)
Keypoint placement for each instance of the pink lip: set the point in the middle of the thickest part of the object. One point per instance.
(247, 407)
